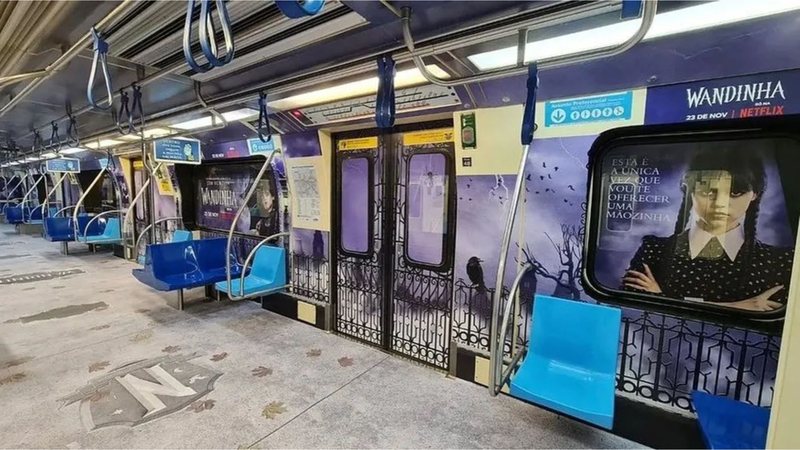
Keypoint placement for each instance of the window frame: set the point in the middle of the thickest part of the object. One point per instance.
(370, 158)
(448, 237)
(768, 321)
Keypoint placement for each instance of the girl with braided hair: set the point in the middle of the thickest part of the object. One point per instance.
(714, 255)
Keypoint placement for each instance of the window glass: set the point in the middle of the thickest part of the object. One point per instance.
(426, 208)
(355, 209)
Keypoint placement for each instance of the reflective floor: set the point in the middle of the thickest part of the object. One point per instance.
(91, 358)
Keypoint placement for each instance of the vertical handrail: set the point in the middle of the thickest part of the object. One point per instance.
(526, 137)
(497, 373)
(129, 212)
(52, 191)
(31, 189)
(239, 212)
(83, 198)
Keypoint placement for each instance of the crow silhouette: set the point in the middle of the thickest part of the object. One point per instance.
(475, 273)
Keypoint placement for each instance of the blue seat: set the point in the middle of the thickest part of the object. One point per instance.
(95, 229)
(111, 234)
(59, 229)
(572, 360)
(726, 423)
(14, 215)
(33, 215)
(185, 265)
(267, 276)
(177, 236)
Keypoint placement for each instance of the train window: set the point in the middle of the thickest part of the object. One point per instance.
(700, 222)
(426, 209)
(355, 205)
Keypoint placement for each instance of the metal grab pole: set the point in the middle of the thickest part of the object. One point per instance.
(82, 198)
(528, 127)
(52, 191)
(28, 193)
(129, 211)
(648, 14)
(246, 199)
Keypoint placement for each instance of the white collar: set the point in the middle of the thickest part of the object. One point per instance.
(731, 241)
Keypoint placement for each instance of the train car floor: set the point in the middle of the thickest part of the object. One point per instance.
(90, 358)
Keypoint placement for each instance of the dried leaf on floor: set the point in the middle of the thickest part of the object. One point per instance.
(261, 371)
(15, 362)
(98, 366)
(345, 361)
(100, 327)
(171, 349)
(202, 405)
(219, 356)
(314, 352)
(142, 336)
(273, 410)
(142, 310)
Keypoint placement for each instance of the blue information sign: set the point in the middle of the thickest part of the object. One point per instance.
(177, 151)
(595, 108)
(67, 165)
(769, 94)
(256, 147)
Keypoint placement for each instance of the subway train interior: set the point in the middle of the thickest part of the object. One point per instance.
(399, 224)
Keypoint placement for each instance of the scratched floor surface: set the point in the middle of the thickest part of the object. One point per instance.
(90, 358)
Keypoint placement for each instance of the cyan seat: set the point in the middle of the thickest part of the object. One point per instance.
(186, 265)
(59, 229)
(726, 423)
(111, 234)
(572, 359)
(267, 275)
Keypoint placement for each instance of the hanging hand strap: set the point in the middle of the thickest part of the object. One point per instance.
(295, 9)
(136, 110)
(263, 118)
(529, 115)
(191, 7)
(124, 113)
(207, 33)
(100, 56)
(72, 128)
(55, 139)
(385, 101)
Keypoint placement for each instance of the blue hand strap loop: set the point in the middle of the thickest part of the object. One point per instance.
(263, 118)
(206, 32)
(529, 115)
(100, 56)
(72, 128)
(295, 9)
(385, 101)
(55, 139)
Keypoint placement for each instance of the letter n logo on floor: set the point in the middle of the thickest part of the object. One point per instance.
(142, 391)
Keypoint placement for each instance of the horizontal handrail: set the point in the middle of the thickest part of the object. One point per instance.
(149, 227)
(113, 211)
(497, 361)
(247, 261)
(648, 14)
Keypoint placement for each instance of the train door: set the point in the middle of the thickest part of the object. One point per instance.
(394, 233)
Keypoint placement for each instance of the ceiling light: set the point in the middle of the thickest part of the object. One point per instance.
(72, 150)
(102, 143)
(31, 159)
(206, 121)
(693, 18)
(13, 163)
(48, 155)
(148, 133)
(367, 86)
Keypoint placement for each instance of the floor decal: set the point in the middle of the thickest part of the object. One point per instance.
(61, 313)
(145, 390)
(38, 276)
(273, 410)
(219, 357)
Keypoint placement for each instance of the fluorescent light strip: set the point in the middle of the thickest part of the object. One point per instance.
(72, 150)
(103, 143)
(693, 18)
(148, 133)
(206, 121)
(49, 155)
(367, 86)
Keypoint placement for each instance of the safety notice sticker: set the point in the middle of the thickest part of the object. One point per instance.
(595, 108)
